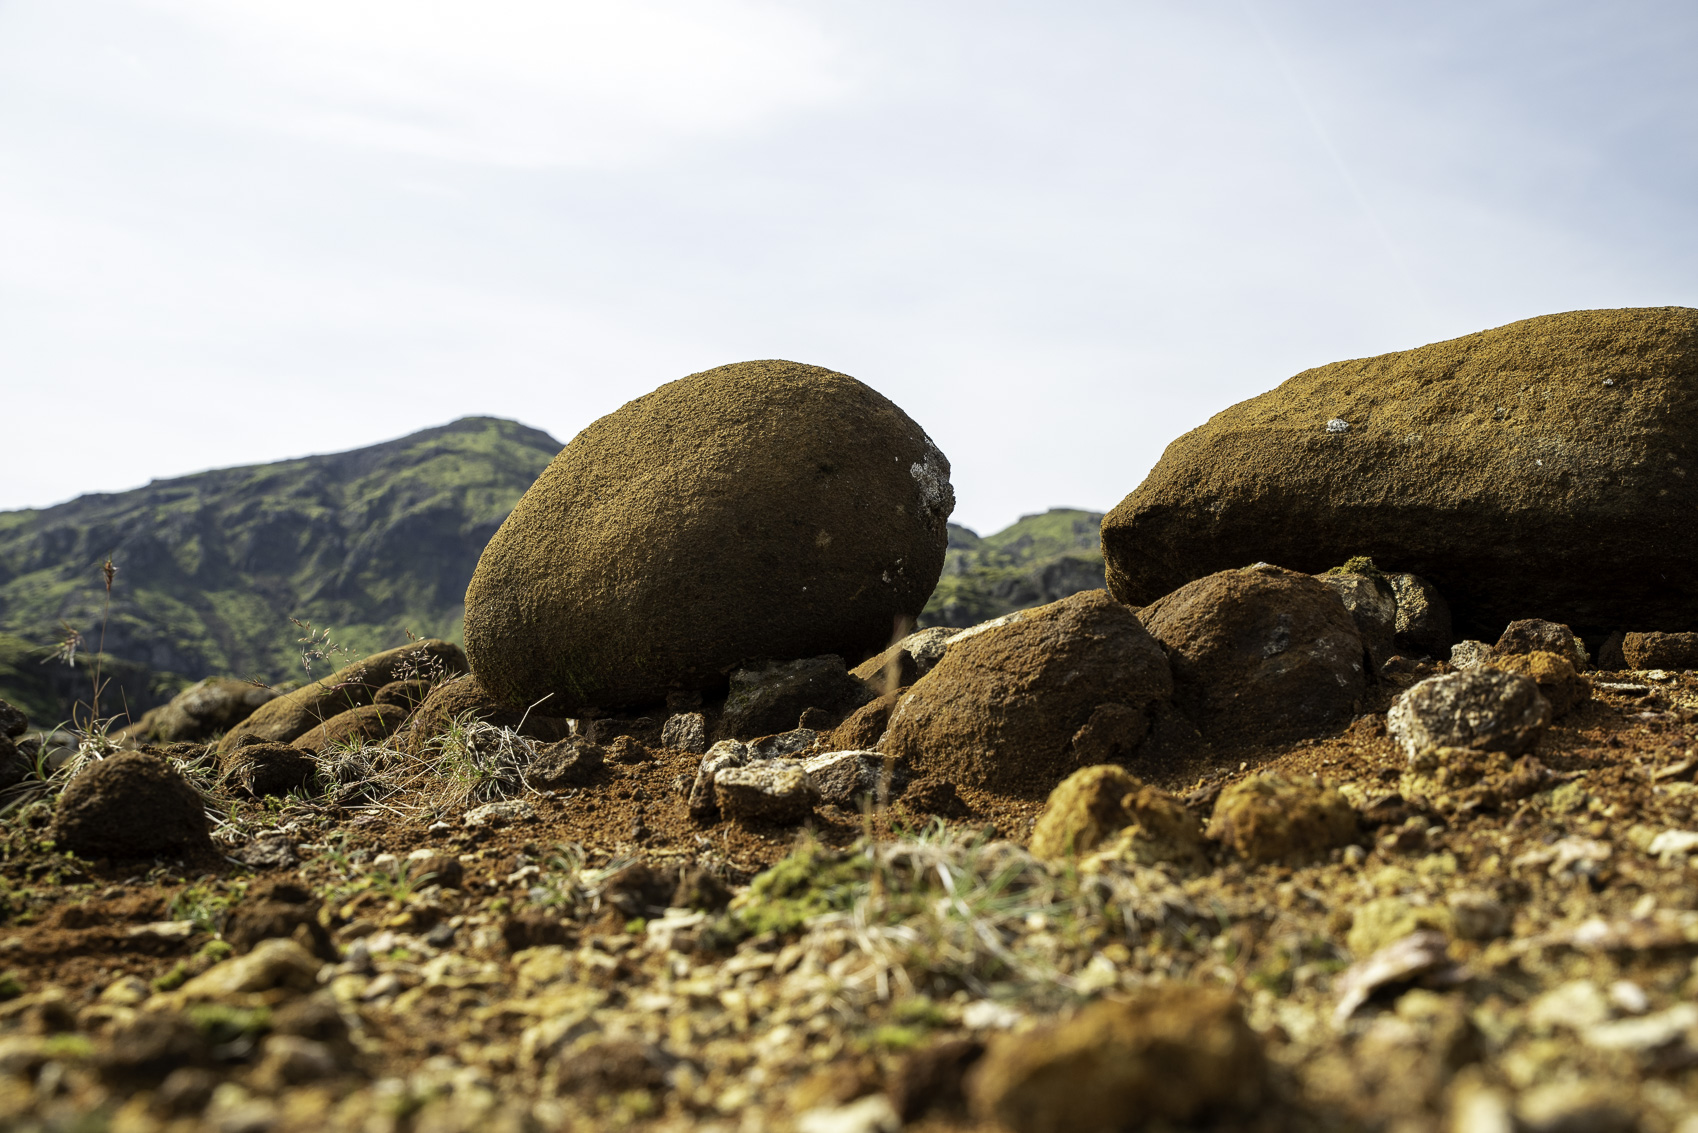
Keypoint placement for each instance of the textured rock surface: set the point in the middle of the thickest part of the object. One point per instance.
(905, 662)
(1530, 635)
(1275, 818)
(759, 511)
(864, 727)
(13, 721)
(353, 686)
(1561, 441)
(1423, 617)
(845, 778)
(1171, 1053)
(1558, 683)
(1660, 650)
(685, 731)
(130, 805)
(768, 790)
(1373, 607)
(1482, 709)
(1022, 706)
(1260, 650)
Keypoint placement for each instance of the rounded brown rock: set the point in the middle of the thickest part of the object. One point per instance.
(1261, 652)
(760, 511)
(1020, 707)
(1539, 469)
(130, 805)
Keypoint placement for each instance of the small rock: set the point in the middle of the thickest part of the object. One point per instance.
(496, 814)
(1572, 1107)
(1372, 603)
(1531, 635)
(130, 805)
(1172, 1052)
(1660, 650)
(773, 698)
(1556, 677)
(935, 796)
(1423, 616)
(276, 911)
(703, 802)
(844, 778)
(1384, 921)
(262, 769)
(771, 790)
(1575, 1005)
(1646, 1033)
(783, 745)
(568, 763)
(272, 964)
(1268, 818)
(269, 849)
(932, 1078)
(1465, 655)
(1479, 708)
(1096, 805)
(871, 1114)
(1479, 916)
(1421, 955)
(434, 868)
(290, 1060)
(1611, 659)
(686, 731)
(626, 750)
(14, 765)
(13, 721)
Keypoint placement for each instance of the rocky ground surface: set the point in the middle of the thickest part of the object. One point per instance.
(1330, 933)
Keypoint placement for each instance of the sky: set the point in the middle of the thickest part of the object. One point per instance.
(1058, 235)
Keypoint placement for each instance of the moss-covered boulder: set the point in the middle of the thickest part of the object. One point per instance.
(291, 716)
(761, 511)
(201, 711)
(1020, 707)
(368, 724)
(1541, 469)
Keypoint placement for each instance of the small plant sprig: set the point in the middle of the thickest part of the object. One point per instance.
(316, 645)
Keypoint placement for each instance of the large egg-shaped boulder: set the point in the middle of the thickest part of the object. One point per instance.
(1544, 469)
(758, 511)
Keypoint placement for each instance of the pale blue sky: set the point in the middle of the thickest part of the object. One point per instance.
(1058, 235)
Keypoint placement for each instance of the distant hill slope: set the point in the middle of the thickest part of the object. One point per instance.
(1041, 558)
(370, 544)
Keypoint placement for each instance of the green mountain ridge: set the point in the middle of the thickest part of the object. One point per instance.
(369, 545)
(1038, 559)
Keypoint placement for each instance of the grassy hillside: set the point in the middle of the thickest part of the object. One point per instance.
(1040, 559)
(371, 543)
